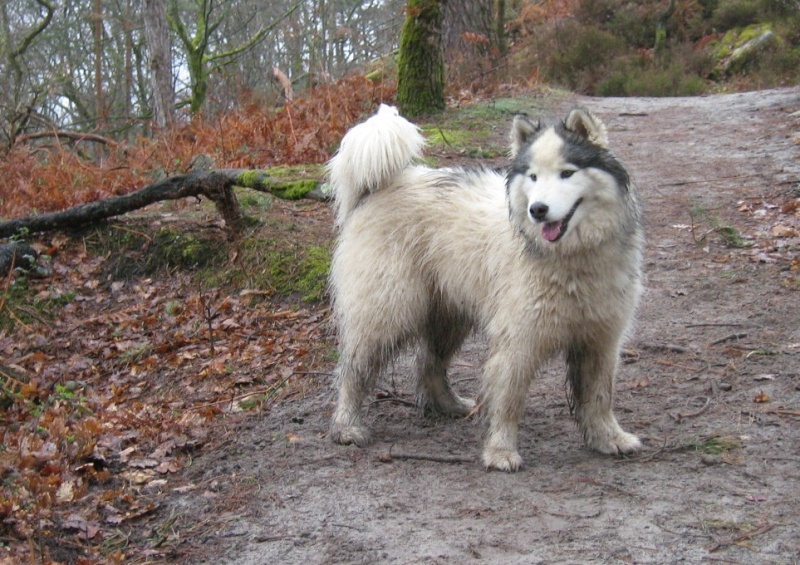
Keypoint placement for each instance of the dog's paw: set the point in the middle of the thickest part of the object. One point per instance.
(347, 435)
(616, 443)
(501, 459)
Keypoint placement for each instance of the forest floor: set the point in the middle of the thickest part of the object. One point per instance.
(710, 381)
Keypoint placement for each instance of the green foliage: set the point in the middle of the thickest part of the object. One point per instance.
(620, 49)
(731, 14)
(580, 56)
(631, 79)
(717, 445)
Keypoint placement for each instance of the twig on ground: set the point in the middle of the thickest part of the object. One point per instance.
(679, 416)
(425, 457)
(783, 412)
(717, 325)
(731, 337)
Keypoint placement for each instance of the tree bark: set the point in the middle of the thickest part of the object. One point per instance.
(216, 185)
(156, 32)
(420, 66)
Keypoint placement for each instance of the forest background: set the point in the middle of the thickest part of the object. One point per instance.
(121, 343)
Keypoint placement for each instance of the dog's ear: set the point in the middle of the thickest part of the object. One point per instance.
(588, 126)
(521, 132)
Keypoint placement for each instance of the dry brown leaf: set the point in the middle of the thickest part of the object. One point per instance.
(762, 397)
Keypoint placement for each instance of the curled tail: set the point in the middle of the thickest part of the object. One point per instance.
(370, 156)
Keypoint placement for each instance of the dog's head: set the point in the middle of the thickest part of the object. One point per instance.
(565, 187)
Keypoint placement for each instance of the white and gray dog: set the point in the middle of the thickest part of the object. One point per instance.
(543, 260)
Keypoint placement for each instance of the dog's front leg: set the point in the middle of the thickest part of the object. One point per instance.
(591, 370)
(504, 390)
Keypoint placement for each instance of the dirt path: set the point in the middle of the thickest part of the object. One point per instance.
(711, 383)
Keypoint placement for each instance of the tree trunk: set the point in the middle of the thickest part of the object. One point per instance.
(97, 32)
(420, 72)
(500, 27)
(158, 44)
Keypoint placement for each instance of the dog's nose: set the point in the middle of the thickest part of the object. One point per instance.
(539, 210)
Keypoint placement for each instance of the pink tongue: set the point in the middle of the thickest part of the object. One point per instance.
(551, 230)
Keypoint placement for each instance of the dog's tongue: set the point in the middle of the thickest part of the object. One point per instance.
(551, 230)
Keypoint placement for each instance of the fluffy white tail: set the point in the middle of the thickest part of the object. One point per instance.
(370, 156)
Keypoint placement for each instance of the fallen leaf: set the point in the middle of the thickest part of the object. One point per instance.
(65, 492)
(782, 230)
(761, 397)
(86, 529)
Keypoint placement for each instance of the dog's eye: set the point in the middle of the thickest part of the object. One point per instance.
(566, 174)
(533, 178)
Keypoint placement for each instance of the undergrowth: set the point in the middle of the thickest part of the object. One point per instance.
(39, 179)
(608, 48)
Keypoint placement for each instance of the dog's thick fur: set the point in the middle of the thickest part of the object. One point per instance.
(543, 260)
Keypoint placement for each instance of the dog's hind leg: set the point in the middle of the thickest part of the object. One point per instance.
(591, 371)
(356, 381)
(441, 339)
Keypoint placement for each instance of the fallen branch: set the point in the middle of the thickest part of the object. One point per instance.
(71, 135)
(216, 185)
(388, 458)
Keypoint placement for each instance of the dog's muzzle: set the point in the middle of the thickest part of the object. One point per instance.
(552, 231)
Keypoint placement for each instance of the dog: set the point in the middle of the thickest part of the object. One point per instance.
(543, 260)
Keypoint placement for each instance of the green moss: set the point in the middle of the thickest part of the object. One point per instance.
(315, 270)
(302, 272)
(420, 64)
(249, 178)
(182, 250)
(132, 252)
(251, 200)
(291, 172)
(294, 190)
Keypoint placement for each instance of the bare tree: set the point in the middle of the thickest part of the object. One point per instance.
(202, 49)
(18, 102)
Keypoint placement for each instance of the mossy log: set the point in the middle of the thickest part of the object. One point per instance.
(16, 254)
(216, 184)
